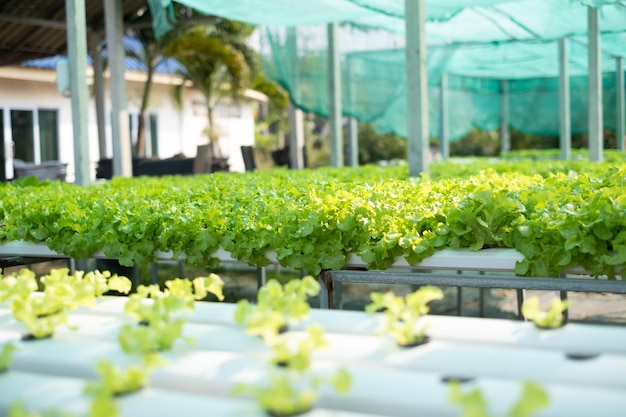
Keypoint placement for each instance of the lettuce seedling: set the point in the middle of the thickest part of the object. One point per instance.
(401, 313)
(157, 336)
(277, 306)
(113, 382)
(42, 311)
(474, 404)
(550, 319)
(179, 296)
(17, 409)
(290, 392)
(293, 350)
(6, 356)
(158, 329)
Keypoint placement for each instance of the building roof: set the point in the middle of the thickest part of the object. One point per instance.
(131, 63)
(36, 28)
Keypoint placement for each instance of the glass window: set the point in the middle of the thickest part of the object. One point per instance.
(48, 135)
(23, 136)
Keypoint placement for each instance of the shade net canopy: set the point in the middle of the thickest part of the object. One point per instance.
(476, 43)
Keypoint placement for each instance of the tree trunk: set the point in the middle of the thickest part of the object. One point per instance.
(213, 134)
(140, 146)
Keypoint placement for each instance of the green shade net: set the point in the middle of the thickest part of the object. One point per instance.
(374, 79)
(476, 43)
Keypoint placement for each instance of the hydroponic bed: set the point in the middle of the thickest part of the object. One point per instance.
(580, 367)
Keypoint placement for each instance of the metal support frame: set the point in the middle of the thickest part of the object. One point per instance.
(296, 118)
(444, 136)
(353, 142)
(261, 277)
(595, 86)
(353, 124)
(520, 301)
(122, 163)
(416, 88)
(77, 56)
(327, 280)
(620, 99)
(565, 124)
(505, 133)
(334, 98)
(296, 137)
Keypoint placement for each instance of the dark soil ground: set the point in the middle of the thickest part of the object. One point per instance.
(242, 282)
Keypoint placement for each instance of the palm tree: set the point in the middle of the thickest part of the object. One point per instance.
(150, 55)
(217, 60)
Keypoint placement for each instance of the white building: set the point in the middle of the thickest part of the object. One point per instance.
(36, 120)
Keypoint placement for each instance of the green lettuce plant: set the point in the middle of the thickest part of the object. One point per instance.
(277, 306)
(402, 313)
(293, 350)
(18, 409)
(155, 310)
(6, 356)
(474, 404)
(114, 382)
(550, 319)
(289, 392)
(42, 311)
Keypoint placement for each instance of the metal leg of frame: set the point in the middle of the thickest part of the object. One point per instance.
(261, 277)
(326, 290)
(154, 272)
(135, 277)
(481, 302)
(481, 299)
(80, 265)
(338, 294)
(459, 298)
(563, 295)
(520, 301)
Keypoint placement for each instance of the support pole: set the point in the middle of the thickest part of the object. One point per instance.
(416, 88)
(595, 86)
(353, 142)
(353, 124)
(77, 56)
(296, 137)
(505, 133)
(619, 97)
(8, 145)
(98, 86)
(334, 98)
(444, 135)
(122, 164)
(296, 118)
(565, 125)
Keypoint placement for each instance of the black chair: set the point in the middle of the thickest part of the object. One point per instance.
(248, 157)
